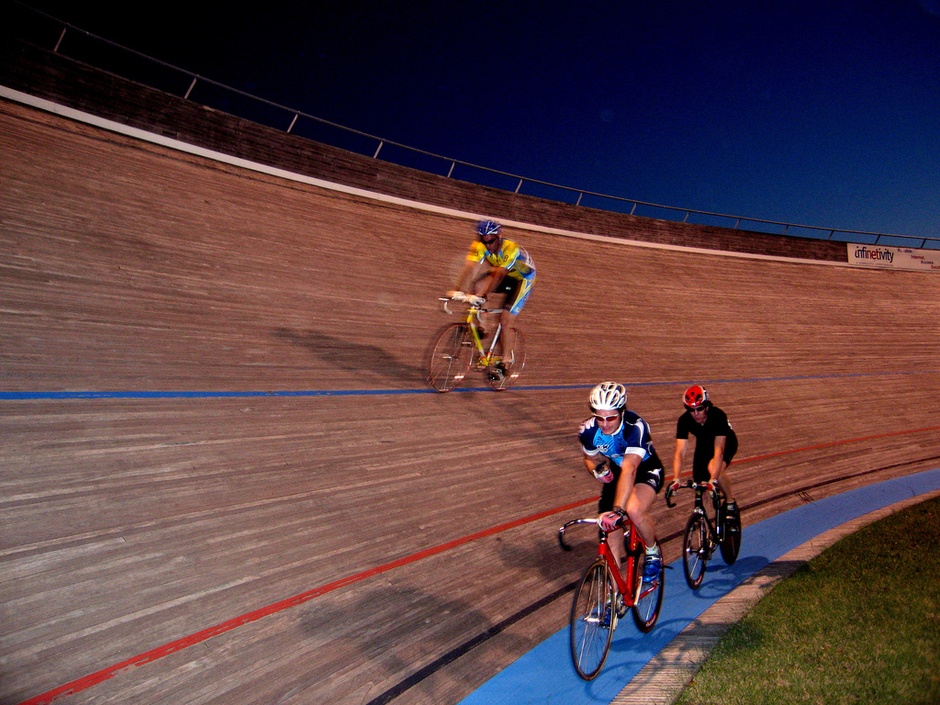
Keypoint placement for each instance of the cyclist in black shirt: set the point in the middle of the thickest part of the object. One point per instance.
(715, 443)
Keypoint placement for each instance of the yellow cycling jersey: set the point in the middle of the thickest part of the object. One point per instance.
(510, 255)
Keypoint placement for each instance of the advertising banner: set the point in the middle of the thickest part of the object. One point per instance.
(894, 257)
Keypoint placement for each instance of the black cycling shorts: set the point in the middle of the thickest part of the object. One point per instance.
(700, 465)
(649, 473)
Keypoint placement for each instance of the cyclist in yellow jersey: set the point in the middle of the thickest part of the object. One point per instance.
(497, 265)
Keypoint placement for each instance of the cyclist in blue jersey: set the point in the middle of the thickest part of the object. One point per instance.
(715, 443)
(618, 450)
(497, 265)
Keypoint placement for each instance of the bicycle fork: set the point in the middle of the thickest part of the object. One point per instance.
(712, 533)
(636, 551)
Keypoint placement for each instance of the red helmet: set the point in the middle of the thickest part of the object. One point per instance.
(695, 397)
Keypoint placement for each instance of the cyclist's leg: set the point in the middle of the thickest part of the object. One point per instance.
(481, 284)
(700, 473)
(648, 483)
(730, 514)
(508, 322)
(518, 296)
(649, 579)
(638, 506)
(605, 504)
(724, 481)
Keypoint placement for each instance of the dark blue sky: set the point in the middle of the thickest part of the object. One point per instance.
(820, 112)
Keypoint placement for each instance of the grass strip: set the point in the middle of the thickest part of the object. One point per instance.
(857, 625)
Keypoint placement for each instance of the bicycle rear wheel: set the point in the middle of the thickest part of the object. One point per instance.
(593, 620)
(695, 550)
(451, 357)
(648, 597)
(731, 543)
(514, 363)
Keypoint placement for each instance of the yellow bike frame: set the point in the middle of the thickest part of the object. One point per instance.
(485, 357)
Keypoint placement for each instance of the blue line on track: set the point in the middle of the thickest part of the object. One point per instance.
(20, 396)
(28, 396)
(182, 394)
(545, 676)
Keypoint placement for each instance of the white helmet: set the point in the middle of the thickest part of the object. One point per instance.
(609, 395)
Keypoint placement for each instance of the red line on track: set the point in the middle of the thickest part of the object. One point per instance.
(85, 682)
(830, 444)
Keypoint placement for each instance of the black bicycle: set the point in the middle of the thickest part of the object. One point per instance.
(706, 530)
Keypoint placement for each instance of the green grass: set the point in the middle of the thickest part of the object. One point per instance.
(857, 625)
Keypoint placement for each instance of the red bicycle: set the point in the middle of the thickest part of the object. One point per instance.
(604, 595)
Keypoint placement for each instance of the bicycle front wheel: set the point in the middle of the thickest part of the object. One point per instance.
(648, 597)
(695, 550)
(451, 357)
(593, 620)
(731, 542)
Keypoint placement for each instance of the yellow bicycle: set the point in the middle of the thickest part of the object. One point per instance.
(459, 348)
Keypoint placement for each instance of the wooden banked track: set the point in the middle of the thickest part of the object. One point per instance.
(247, 537)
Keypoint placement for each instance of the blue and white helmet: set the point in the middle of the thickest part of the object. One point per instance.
(485, 228)
(608, 395)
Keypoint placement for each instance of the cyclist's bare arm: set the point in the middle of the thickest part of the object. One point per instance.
(468, 275)
(679, 457)
(492, 279)
(599, 466)
(592, 461)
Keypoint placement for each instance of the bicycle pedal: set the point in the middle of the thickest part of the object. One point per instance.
(621, 606)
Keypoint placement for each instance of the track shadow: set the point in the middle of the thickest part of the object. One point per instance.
(352, 357)
(720, 577)
(547, 557)
(396, 612)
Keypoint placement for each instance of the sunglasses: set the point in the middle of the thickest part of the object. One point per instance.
(607, 419)
(489, 240)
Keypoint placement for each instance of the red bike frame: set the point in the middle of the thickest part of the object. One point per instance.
(626, 576)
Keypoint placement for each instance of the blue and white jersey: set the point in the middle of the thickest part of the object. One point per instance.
(633, 437)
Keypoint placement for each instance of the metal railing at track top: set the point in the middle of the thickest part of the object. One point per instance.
(80, 45)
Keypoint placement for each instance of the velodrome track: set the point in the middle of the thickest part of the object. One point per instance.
(224, 481)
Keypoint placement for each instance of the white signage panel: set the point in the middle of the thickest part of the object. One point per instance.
(894, 257)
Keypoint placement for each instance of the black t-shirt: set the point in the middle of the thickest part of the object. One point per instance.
(716, 424)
